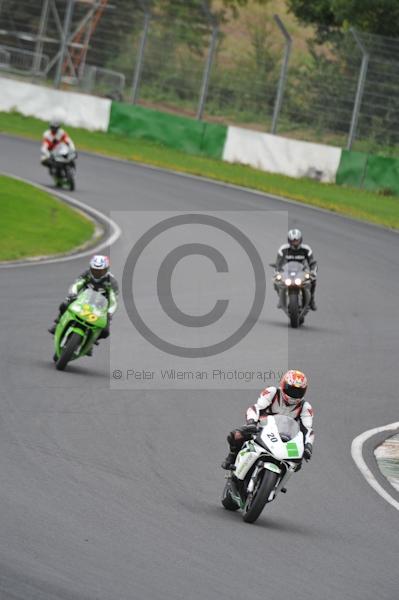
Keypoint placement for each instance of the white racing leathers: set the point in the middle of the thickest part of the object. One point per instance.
(270, 402)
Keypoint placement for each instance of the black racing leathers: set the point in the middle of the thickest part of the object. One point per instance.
(107, 286)
(302, 254)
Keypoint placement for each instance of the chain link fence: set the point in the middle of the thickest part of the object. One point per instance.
(248, 72)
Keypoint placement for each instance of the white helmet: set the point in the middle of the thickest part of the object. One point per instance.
(54, 125)
(294, 238)
(99, 267)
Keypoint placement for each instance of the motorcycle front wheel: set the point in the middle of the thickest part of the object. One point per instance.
(68, 351)
(69, 176)
(293, 309)
(257, 500)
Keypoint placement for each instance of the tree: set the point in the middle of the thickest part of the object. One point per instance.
(222, 11)
(330, 16)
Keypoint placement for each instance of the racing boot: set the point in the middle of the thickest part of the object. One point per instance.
(281, 298)
(229, 461)
(53, 327)
(279, 304)
(312, 304)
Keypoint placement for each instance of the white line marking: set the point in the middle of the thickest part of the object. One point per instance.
(115, 230)
(357, 455)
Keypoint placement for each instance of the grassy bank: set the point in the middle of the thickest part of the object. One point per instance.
(35, 224)
(375, 208)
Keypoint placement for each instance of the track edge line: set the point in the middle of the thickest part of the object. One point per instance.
(81, 251)
(357, 455)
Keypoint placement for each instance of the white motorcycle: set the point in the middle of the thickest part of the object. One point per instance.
(263, 466)
(63, 166)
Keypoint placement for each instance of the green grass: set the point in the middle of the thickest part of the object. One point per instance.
(35, 224)
(368, 206)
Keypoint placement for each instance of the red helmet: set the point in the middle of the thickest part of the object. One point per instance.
(293, 386)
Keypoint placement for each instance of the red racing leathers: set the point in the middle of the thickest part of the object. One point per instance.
(51, 140)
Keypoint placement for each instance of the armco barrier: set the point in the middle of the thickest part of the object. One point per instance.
(181, 133)
(369, 172)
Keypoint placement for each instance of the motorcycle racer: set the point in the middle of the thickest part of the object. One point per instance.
(287, 399)
(294, 249)
(99, 278)
(53, 136)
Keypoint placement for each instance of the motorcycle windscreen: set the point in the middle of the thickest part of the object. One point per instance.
(287, 427)
(96, 299)
(61, 153)
(293, 269)
(91, 306)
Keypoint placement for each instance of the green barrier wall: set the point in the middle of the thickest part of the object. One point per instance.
(352, 168)
(369, 172)
(382, 174)
(181, 133)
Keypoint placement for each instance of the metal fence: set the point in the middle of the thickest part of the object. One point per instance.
(248, 72)
(17, 60)
(103, 82)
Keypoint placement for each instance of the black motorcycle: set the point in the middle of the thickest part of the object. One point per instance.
(293, 285)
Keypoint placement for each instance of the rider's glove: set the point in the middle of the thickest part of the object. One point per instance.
(71, 297)
(251, 426)
(307, 453)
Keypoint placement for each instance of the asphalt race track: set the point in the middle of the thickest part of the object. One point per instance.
(115, 495)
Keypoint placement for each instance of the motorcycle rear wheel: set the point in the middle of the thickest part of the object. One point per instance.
(256, 501)
(69, 176)
(68, 351)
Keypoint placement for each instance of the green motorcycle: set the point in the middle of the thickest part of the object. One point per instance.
(79, 327)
